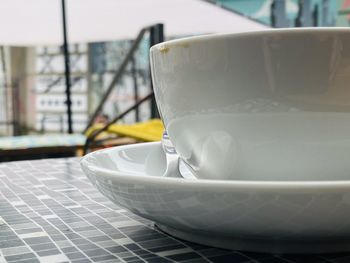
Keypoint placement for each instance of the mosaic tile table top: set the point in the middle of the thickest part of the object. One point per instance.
(49, 212)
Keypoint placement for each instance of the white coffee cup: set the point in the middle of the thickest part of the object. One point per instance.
(267, 105)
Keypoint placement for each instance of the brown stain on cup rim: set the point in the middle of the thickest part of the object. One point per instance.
(165, 49)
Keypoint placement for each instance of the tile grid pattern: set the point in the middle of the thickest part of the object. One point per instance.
(49, 212)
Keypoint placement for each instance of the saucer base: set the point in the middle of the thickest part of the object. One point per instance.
(260, 245)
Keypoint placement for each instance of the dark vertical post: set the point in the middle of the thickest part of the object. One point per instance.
(15, 108)
(315, 16)
(298, 19)
(6, 94)
(160, 31)
(136, 88)
(67, 68)
(273, 13)
(156, 36)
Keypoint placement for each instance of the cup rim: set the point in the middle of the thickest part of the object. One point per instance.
(268, 32)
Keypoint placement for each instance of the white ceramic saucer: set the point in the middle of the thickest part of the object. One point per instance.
(264, 216)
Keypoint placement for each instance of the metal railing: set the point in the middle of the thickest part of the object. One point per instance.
(156, 33)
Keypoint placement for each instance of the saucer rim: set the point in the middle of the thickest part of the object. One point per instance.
(260, 185)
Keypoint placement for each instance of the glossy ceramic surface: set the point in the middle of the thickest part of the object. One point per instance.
(270, 105)
(275, 216)
(173, 161)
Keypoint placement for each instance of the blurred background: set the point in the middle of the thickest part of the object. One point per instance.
(68, 68)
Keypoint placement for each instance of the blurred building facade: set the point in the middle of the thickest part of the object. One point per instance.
(92, 69)
(49, 88)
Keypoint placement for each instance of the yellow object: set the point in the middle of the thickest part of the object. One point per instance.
(148, 131)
